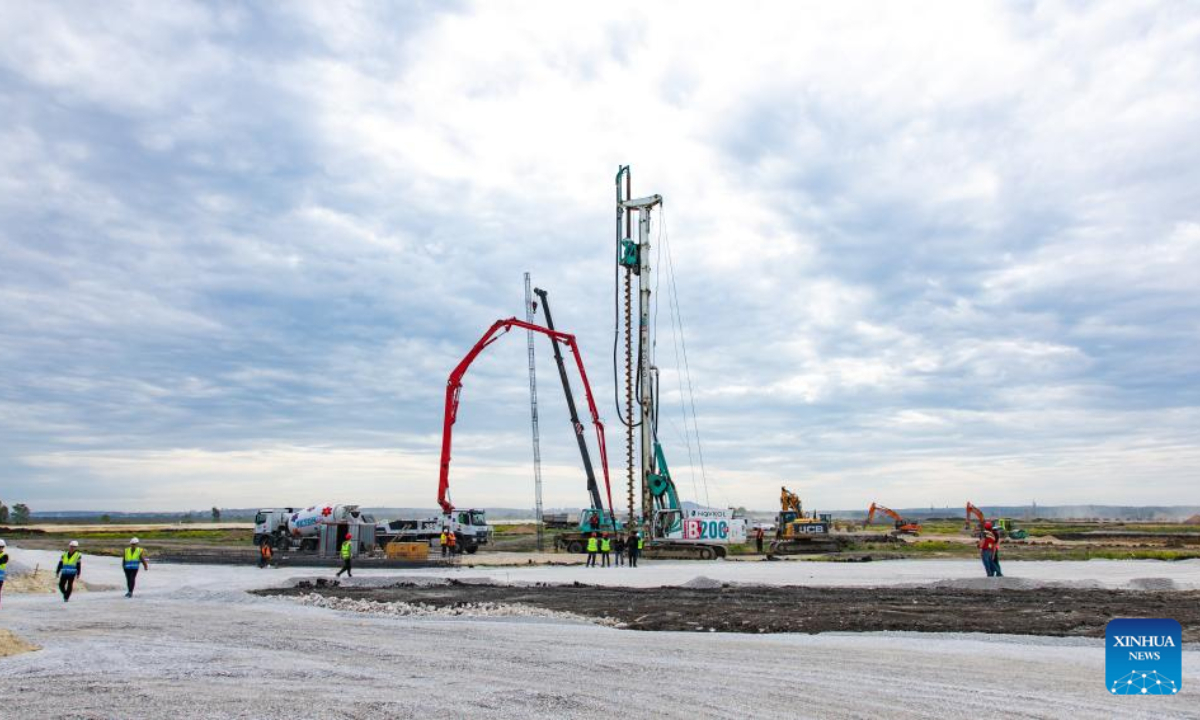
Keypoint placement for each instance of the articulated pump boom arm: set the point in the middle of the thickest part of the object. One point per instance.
(454, 388)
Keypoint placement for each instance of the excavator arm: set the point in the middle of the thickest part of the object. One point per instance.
(454, 389)
(977, 513)
(886, 511)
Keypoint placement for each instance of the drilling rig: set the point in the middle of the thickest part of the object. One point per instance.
(671, 530)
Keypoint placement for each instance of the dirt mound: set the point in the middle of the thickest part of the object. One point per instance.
(12, 645)
(1193, 520)
(702, 583)
(29, 582)
(43, 581)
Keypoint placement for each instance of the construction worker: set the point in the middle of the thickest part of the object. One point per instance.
(3, 565)
(594, 522)
(264, 554)
(70, 567)
(347, 552)
(987, 549)
(605, 550)
(619, 549)
(452, 539)
(758, 539)
(995, 531)
(444, 541)
(635, 548)
(593, 547)
(135, 559)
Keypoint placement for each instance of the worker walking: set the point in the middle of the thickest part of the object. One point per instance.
(3, 565)
(444, 542)
(593, 547)
(619, 549)
(995, 531)
(135, 559)
(265, 554)
(347, 552)
(70, 568)
(605, 550)
(758, 539)
(987, 550)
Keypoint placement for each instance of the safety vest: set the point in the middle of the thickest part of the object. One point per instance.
(605, 545)
(347, 547)
(133, 558)
(265, 550)
(3, 567)
(70, 564)
(442, 539)
(640, 543)
(593, 545)
(451, 539)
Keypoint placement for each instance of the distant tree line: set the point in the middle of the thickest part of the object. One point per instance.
(19, 515)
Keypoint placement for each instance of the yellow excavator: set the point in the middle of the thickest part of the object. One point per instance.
(797, 533)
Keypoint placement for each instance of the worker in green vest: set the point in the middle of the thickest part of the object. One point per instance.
(593, 547)
(347, 552)
(135, 559)
(70, 568)
(3, 565)
(605, 550)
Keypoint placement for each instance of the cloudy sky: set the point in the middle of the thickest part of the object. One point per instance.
(924, 252)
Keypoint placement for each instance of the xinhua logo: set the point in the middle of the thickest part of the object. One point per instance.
(1143, 657)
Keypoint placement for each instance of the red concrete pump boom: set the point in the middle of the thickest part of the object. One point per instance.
(454, 388)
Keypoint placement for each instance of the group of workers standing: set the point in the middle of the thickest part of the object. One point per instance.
(602, 546)
(70, 567)
(450, 542)
(989, 550)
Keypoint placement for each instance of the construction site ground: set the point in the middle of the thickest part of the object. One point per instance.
(514, 642)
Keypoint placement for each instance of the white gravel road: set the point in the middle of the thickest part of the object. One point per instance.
(194, 645)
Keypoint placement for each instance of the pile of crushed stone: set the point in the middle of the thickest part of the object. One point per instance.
(481, 609)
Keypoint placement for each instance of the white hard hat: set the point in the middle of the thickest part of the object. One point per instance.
(133, 541)
(2, 543)
(73, 543)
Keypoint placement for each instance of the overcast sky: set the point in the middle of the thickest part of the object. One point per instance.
(924, 252)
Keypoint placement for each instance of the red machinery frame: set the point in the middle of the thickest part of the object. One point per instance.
(454, 389)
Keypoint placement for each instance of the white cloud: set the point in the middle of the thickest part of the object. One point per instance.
(920, 249)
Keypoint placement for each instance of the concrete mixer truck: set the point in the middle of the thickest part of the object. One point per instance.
(299, 529)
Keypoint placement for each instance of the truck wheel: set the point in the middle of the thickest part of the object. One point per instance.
(575, 547)
(707, 554)
(281, 543)
(471, 549)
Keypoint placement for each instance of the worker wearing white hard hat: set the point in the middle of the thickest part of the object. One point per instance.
(70, 567)
(3, 565)
(134, 560)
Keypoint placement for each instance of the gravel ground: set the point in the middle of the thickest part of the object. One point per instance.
(194, 645)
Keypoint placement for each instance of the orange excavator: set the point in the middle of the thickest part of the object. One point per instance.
(979, 519)
(903, 527)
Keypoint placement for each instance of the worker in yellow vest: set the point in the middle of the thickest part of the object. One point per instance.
(444, 540)
(605, 549)
(135, 559)
(347, 552)
(70, 568)
(593, 547)
(3, 565)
